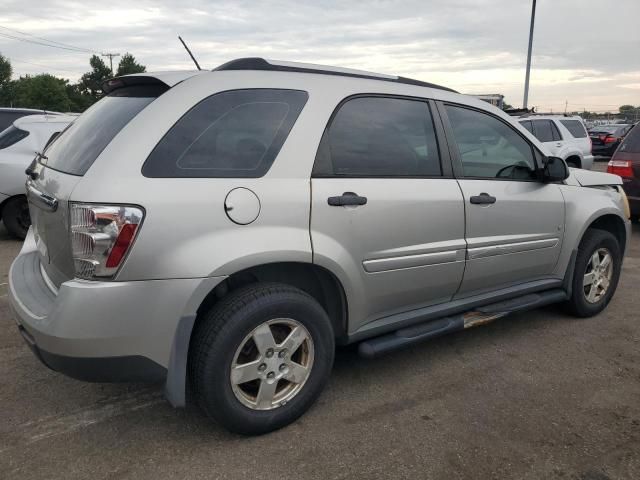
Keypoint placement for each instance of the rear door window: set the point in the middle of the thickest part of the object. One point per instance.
(527, 124)
(237, 133)
(543, 130)
(75, 150)
(375, 136)
(11, 136)
(575, 127)
(631, 142)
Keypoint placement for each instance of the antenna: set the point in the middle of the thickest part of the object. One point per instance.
(189, 52)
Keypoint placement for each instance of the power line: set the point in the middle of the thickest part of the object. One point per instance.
(48, 40)
(36, 42)
(43, 66)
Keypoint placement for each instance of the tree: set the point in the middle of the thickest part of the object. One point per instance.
(43, 91)
(128, 65)
(91, 82)
(5, 70)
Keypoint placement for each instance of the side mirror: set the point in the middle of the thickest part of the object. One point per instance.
(555, 170)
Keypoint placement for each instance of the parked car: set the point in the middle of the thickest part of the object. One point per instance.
(626, 163)
(230, 228)
(606, 138)
(565, 137)
(18, 145)
(10, 115)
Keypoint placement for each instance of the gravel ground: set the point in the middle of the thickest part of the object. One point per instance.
(535, 395)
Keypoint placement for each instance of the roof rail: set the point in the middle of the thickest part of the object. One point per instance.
(257, 63)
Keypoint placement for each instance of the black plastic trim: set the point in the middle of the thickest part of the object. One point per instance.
(257, 63)
(133, 368)
(420, 315)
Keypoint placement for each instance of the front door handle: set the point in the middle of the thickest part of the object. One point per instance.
(347, 198)
(482, 199)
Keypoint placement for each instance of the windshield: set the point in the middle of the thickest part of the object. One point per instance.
(11, 136)
(75, 150)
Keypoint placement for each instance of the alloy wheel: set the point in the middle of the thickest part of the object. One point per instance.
(597, 277)
(272, 364)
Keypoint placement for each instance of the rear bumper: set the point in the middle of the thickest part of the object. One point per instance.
(100, 331)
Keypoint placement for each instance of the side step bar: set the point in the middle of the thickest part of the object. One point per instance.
(434, 328)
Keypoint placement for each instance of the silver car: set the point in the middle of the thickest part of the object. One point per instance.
(227, 229)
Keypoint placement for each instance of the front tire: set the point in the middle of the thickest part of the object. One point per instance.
(596, 273)
(15, 215)
(261, 357)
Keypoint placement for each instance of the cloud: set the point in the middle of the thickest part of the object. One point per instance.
(468, 45)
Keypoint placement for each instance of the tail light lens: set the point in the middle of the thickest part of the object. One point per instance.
(610, 139)
(101, 236)
(624, 168)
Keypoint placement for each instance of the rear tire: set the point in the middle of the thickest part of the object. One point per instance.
(596, 273)
(15, 216)
(227, 332)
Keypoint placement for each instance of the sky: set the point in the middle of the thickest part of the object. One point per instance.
(585, 53)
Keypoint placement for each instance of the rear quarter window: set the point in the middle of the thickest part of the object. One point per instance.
(237, 133)
(575, 127)
(80, 144)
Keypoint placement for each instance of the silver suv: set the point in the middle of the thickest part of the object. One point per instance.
(226, 230)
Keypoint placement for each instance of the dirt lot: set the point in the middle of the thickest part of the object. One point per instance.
(536, 395)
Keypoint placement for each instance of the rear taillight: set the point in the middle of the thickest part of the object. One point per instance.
(101, 236)
(624, 168)
(610, 139)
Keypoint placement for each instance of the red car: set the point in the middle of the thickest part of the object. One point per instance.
(626, 163)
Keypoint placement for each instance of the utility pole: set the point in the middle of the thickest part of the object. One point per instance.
(566, 104)
(526, 78)
(111, 55)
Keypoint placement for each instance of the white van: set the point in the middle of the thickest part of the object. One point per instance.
(565, 137)
(19, 143)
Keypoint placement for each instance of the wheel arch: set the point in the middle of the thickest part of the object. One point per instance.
(612, 223)
(313, 279)
(574, 157)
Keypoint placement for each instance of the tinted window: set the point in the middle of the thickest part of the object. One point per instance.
(631, 142)
(527, 124)
(575, 127)
(230, 134)
(489, 148)
(380, 137)
(556, 132)
(7, 118)
(543, 130)
(11, 136)
(81, 142)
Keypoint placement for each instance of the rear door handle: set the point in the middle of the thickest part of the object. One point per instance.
(347, 198)
(482, 199)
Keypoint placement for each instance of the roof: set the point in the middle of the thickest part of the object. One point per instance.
(26, 110)
(256, 63)
(47, 118)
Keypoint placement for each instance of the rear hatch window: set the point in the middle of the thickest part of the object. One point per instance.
(82, 142)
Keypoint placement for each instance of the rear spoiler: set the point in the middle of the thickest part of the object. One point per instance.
(161, 79)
